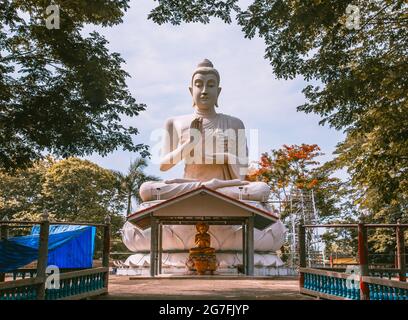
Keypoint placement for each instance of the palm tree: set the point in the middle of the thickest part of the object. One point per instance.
(129, 184)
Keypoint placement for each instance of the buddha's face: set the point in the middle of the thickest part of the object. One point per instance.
(205, 90)
(202, 227)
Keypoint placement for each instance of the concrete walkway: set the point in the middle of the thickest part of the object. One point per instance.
(168, 288)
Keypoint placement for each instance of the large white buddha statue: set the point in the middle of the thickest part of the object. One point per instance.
(212, 144)
(214, 150)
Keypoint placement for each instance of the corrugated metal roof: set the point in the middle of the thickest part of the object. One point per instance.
(262, 218)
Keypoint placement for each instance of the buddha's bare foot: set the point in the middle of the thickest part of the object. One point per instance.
(179, 181)
(217, 183)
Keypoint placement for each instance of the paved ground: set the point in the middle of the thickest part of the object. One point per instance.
(121, 287)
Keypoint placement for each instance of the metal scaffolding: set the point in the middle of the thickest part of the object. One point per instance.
(302, 208)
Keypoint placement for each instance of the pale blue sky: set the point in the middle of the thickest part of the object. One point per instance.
(160, 60)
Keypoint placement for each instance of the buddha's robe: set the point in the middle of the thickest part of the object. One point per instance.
(202, 165)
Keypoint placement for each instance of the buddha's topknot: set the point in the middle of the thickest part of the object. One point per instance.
(206, 67)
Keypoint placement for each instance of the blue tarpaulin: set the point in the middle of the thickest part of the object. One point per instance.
(68, 247)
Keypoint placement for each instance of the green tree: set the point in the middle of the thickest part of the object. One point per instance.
(379, 177)
(357, 77)
(21, 193)
(129, 183)
(79, 190)
(61, 92)
(357, 82)
(71, 190)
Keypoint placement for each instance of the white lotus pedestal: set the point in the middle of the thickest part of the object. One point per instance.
(203, 205)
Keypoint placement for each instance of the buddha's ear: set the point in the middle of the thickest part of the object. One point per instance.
(191, 91)
(219, 91)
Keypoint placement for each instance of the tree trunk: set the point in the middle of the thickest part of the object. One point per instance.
(129, 203)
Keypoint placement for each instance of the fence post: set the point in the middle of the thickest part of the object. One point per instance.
(302, 252)
(43, 255)
(4, 234)
(363, 260)
(399, 232)
(106, 248)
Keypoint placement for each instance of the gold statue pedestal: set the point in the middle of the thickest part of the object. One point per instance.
(202, 258)
(202, 262)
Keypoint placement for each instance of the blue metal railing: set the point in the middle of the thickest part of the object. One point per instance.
(77, 284)
(348, 289)
(333, 285)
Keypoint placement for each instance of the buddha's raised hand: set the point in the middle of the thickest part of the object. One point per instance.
(195, 128)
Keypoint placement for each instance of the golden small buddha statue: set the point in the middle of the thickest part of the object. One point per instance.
(202, 257)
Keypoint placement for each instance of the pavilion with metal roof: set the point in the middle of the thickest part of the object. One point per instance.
(202, 205)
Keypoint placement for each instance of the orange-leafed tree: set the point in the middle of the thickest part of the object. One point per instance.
(296, 167)
(287, 167)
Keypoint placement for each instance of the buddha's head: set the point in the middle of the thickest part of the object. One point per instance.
(202, 227)
(205, 87)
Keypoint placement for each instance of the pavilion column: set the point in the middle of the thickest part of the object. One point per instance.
(244, 248)
(250, 246)
(160, 245)
(153, 246)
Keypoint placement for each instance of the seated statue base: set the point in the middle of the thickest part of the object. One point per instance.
(202, 263)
